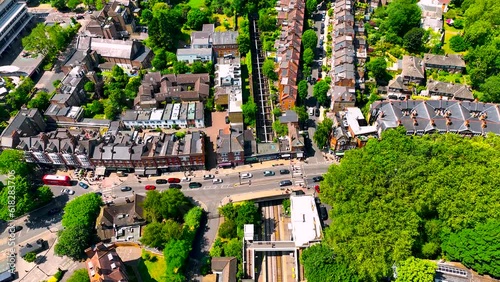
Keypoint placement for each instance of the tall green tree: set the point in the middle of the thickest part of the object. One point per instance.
(196, 17)
(243, 41)
(41, 101)
(491, 89)
(320, 264)
(403, 15)
(322, 134)
(301, 113)
(378, 68)
(308, 56)
(320, 92)
(413, 40)
(309, 39)
(476, 248)
(311, 6)
(302, 89)
(249, 110)
(80, 275)
(416, 270)
(268, 69)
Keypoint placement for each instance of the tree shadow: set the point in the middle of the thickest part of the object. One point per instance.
(270, 226)
(41, 218)
(40, 259)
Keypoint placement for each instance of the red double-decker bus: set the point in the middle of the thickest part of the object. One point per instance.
(62, 180)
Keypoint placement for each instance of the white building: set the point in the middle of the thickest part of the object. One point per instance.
(14, 17)
(183, 115)
(305, 220)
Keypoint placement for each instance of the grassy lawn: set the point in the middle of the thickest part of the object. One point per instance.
(224, 21)
(152, 270)
(196, 3)
(449, 32)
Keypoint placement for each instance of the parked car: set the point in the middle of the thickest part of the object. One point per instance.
(323, 212)
(126, 188)
(285, 183)
(311, 111)
(174, 185)
(269, 173)
(79, 17)
(317, 189)
(316, 112)
(227, 119)
(174, 180)
(318, 178)
(195, 185)
(67, 191)
(54, 211)
(284, 171)
(83, 185)
(15, 228)
(246, 175)
(208, 176)
(217, 181)
(161, 181)
(185, 179)
(150, 187)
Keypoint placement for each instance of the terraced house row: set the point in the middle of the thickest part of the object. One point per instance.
(291, 15)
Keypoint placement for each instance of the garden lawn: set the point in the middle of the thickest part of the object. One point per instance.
(152, 271)
(449, 32)
(196, 3)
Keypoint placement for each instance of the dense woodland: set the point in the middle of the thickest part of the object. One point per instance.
(430, 197)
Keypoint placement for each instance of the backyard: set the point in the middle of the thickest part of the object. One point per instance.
(152, 268)
(449, 32)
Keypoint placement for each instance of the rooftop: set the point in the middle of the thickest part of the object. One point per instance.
(306, 224)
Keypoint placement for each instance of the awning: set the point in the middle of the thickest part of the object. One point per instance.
(225, 164)
(300, 154)
(151, 171)
(139, 171)
(100, 170)
(285, 156)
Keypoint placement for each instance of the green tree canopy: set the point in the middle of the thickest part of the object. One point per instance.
(491, 89)
(268, 69)
(398, 193)
(322, 134)
(168, 204)
(308, 56)
(413, 40)
(320, 265)
(196, 17)
(13, 161)
(320, 91)
(157, 234)
(416, 270)
(249, 110)
(309, 39)
(378, 68)
(476, 248)
(302, 89)
(164, 28)
(311, 6)
(301, 113)
(457, 43)
(41, 101)
(403, 15)
(80, 275)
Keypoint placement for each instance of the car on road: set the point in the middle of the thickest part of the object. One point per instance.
(185, 179)
(323, 212)
(318, 178)
(217, 181)
(284, 171)
(80, 17)
(161, 181)
(317, 189)
(269, 173)
(54, 211)
(126, 189)
(67, 191)
(174, 180)
(98, 193)
(316, 112)
(246, 175)
(311, 111)
(208, 176)
(150, 187)
(321, 42)
(175, 186)
(284, 183)
(194, 185)
(15, 229)
(83, 185)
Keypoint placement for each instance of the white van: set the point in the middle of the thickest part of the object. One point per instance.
(311, 111)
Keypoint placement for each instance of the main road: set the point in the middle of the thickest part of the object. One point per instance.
(208, 196)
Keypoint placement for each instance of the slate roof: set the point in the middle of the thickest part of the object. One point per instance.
(444, 60)
(412, 67)
(463, 117)
(457, 91)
